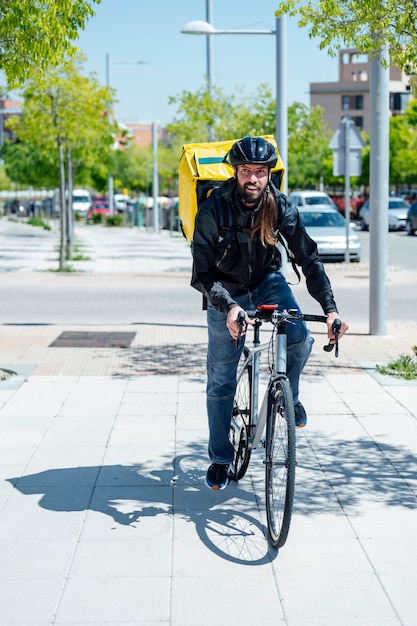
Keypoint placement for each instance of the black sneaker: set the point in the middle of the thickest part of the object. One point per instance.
(300, 415)
(217, 476)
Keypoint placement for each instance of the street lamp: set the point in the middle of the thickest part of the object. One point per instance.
(108, 61)
(199, 27)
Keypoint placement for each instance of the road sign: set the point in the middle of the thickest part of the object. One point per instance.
(347, 140)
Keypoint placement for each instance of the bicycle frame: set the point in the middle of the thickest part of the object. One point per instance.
(279, 370)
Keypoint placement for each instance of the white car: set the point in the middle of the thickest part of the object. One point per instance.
(328, 229)
(305, 199)
(397, 214)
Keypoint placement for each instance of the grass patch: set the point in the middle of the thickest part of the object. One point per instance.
(78, 255)
(114, 220)
(404, 367)
(36, 221)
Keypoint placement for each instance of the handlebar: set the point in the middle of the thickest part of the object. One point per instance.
(270, 313)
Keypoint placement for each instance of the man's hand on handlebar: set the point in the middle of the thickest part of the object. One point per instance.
(237, 321)
(336, 328)
(331, 317)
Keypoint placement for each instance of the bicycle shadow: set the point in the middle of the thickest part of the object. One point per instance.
(338, 473)
(226, 522)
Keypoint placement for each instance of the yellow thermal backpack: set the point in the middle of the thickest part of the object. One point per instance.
(204, 166)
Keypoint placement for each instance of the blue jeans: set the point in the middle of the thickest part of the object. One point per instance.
(223, 358)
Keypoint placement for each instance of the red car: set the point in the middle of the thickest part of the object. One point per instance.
(100, 206)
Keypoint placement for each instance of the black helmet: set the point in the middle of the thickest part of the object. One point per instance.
(254, 150)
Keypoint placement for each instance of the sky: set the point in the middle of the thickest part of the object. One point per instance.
(150, 31)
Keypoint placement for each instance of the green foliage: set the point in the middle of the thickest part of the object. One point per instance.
(67, 106)
(114, 220)
(96, 218)
(4, 179)
(404, 367)
(227, 116)
(367, 25)
(308, 140)
(25, 164)
(403, 146)
(36, 34)
(36, 221)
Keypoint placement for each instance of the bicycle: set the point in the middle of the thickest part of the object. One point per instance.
(275, 417)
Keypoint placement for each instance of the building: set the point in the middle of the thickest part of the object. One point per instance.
(8, 108)
(351, 94)
(141, 133)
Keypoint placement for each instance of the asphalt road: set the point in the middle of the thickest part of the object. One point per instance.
(137, 277)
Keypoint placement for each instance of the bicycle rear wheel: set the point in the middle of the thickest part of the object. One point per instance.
(280, 462)
(241, 422)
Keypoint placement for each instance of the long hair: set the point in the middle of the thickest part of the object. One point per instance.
(265, 219)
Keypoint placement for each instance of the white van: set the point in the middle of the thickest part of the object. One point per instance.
(120, 202)
(81, 201)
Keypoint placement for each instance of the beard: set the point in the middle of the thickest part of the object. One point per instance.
(250, 195)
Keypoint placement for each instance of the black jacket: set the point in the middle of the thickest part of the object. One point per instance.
(223, 264)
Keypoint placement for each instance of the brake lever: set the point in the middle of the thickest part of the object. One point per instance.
(241, 322)
(336, 328)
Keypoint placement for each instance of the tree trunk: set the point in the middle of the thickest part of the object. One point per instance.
(69, 210)
(62, 211)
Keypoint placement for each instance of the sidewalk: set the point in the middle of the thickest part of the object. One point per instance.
(105, 519)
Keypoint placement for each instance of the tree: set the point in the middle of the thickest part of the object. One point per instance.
(64, 124)
(227, 116)
(36, 34)
(368, 25)
(403, 147)
(308, 140)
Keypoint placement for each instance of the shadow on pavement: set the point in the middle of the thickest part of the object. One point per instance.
(229, 522)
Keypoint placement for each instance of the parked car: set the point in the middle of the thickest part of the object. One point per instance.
(100, 206)
(410, 195)
(121, 202)
(397, 214)
(411, 223)
(81, 201)
(328, 229)
(311, 198)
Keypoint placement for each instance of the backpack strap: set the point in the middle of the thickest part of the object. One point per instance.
(290, 257)
(227, 220)
(280, 239)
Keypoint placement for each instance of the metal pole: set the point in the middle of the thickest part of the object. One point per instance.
(110, 177)
(209, 17)
(210, 65)
(155, 182)
(281, 114)
(347, 123)
(379, 183)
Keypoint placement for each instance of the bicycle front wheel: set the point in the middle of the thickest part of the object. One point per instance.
(241, 423)
(280, 462)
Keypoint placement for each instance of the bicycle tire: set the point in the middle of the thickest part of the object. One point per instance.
(280, 462)
(241, 423)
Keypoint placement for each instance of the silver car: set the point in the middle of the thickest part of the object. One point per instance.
(397, 214)
(328, 229)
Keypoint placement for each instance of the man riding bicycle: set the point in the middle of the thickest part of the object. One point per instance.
(240, 269)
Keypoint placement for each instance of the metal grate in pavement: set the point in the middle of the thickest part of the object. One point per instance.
(86, 339)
